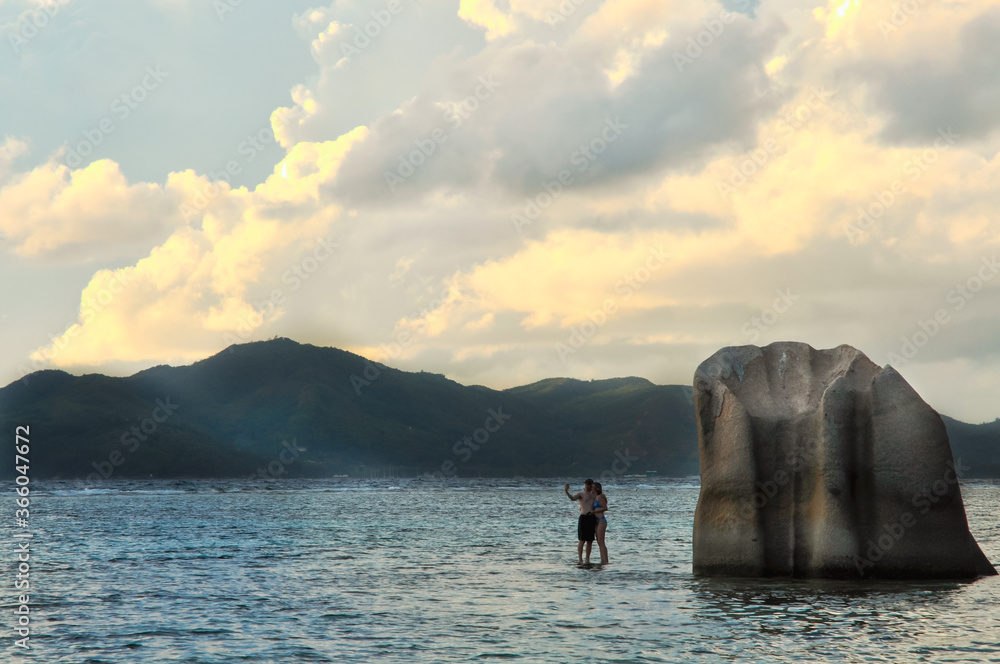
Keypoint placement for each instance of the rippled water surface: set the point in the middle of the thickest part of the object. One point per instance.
(411, 571)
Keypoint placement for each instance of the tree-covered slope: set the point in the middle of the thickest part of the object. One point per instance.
(280, 408)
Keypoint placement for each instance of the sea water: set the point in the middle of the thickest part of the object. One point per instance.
(422, 571)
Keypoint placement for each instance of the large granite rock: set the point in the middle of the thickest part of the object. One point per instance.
(821, 464)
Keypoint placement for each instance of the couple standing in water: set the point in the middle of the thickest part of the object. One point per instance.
(592, 523)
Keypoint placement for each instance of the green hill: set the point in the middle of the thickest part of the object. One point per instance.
(279, 408)
(231, 413)
(977, 445)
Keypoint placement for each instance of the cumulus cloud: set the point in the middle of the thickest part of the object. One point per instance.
(196, 290)
(921, 67)
(515, 116)
(355, 49)
(83, 215)
(593, 189)
(947, 89)
(10, 149)
(484, 13)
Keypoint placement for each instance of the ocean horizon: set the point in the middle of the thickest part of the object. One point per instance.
(416, 570)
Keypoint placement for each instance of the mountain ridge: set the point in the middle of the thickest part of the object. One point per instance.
(279, 408)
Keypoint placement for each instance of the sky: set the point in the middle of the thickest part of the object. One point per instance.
(503, 191)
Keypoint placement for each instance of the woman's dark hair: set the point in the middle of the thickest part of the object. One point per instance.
(597, 485)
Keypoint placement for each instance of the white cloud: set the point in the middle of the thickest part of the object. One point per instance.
(10, 149)
(83, 215)
(484, 13)
(204, 285)
(734, 162)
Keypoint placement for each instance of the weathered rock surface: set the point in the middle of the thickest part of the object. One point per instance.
(821, 464)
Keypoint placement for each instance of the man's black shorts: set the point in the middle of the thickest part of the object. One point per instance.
(585, 527)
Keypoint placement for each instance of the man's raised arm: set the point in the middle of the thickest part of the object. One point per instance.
(571, 497)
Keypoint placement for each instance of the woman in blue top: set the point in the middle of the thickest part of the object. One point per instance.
(600, 507)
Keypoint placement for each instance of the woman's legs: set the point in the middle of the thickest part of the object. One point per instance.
(602, 526)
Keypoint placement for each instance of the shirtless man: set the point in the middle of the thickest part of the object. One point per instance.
(588, 521)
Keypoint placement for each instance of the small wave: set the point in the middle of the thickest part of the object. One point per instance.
(82, 492)
(498, 655)
(116, 491)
